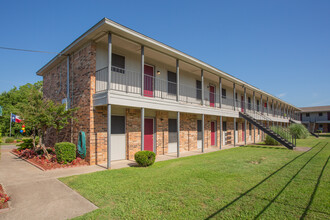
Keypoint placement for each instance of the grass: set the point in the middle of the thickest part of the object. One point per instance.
(245, 182)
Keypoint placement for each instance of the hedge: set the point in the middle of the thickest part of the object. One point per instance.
(65, 152)
(10, 140)
(145, 158)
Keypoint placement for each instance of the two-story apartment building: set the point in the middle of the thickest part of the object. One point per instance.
(316, 118)
(135, 93)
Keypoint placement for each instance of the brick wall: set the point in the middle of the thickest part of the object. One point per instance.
(188, 132)
(161, 132)
(82, 87)
(133, 132)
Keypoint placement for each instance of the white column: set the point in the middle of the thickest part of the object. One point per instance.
(178, 136)
(109, 105)
(142, 70)
(142, 128)
(177, 80)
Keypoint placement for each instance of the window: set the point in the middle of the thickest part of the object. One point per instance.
(320, 114)
(307, 114)
(199, 130)
(172, 131)
(198, 89)
(249, 103)
(224, 126)
(236, 95)
(224, 93)
(171, 84)
(118, 63)
(236, 129)
(257, 105)
(250, 128)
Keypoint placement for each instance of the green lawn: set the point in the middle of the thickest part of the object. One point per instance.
(244, 182)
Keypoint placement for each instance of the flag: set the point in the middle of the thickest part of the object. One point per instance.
(15, 118)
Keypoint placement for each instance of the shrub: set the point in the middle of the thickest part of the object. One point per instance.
(27, 143)
(319, 131)
(270, 141)
(65, 152)
(145, 158)
(10, 140)
(279, 130)
(18, 140)
(0, 140)
(299, 131)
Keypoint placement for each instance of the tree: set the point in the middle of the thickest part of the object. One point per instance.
(41, 114)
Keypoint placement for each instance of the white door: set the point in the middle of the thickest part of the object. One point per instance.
(236, 136)
(172, 136)
(118, 138)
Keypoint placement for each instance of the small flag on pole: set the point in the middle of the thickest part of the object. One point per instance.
(15, 118)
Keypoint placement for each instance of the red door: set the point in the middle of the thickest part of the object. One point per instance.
(243, 131)
(212, 96)
(212, 133)
(148, 81)
(242, 103)
(149, 134)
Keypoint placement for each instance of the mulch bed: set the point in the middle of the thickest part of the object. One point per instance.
(3, 199)
(44, 164)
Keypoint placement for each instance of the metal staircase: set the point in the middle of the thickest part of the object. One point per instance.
(254, 120)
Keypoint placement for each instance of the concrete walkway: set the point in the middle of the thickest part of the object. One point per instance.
(36, 194)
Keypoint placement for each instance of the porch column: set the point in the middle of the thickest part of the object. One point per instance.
(177, 80)
(254, 134)
(220, 94)
(262, 104)
(202, 81)
(109, 105)
(220, 131)
(234, 96)
(142, 70)
(234, 132)
(244, 100)
(178, 136)
(254, 101)
(109, 137)
(267, 106)
(142, 128)
(245, 124)
(203, 137)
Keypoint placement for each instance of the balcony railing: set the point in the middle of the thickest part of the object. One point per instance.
(127, 81)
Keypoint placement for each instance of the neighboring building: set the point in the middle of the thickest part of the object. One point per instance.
(316, 118)
(154, 93)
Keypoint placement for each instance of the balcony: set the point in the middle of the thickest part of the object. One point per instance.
(128, 83)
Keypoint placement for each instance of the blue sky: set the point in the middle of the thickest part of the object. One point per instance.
(282, 47)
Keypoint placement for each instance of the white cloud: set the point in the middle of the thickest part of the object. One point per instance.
(281, 95)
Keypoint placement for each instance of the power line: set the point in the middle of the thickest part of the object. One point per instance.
(34, 51)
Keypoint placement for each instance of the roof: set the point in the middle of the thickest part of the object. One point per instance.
(106, 25)
(316, 109)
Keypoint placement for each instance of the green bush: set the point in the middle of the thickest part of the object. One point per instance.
(283, 132)
(18, 140)
(65, 152)
(319, 131)
(9, 140)
(0, 140)
(270, 141)
(27, 143)
(145, 158)
(299, 131)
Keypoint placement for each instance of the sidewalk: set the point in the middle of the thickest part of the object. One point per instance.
(36, 194)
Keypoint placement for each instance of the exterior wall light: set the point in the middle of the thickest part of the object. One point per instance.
(158, 72)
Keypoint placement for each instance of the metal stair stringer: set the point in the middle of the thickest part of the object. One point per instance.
(266, 130)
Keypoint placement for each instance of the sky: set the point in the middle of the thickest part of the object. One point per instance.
(281, 47)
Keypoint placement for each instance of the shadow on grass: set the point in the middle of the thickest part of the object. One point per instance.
(261, 182)
(265, 147)
(314, 192)
(288, 183)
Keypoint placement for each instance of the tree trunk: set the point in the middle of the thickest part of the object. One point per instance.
(42, 145)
